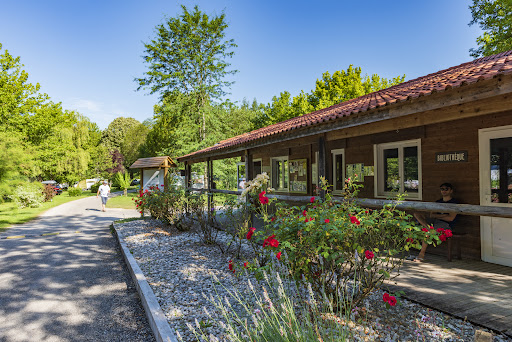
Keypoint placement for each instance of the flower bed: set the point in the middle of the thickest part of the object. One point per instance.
(179, 268)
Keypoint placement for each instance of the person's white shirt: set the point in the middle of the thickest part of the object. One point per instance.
(104, 189)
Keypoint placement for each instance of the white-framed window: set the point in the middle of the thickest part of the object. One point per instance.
(279, 174)
(338, 169)
(398, 168)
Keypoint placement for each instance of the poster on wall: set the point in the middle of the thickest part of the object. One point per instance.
(355, 171)
(298, 175)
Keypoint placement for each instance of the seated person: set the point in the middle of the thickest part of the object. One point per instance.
(437, 220)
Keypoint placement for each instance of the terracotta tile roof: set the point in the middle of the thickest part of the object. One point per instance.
(151, 162)
(466, 73)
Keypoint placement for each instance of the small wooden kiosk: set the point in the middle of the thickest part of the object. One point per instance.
(153, 171)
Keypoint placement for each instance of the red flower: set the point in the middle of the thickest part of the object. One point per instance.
(304, 213)
(312, 199)
(392, 300)
(306, 220)
(369, 254)
(230, 266)
(448, 233)
(250, 232)
(327, 221)
(278, 256)
(411, 240)
(354, 220)
(440, 230)
(431, 227)
(424, 229)
(273, 219)
(264, 200)
(385, 297)
(245, 264)
(442, 237)
(270, 241)
(262, 194)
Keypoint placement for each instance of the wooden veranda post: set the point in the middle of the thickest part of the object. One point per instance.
(322, 167)
(209, 171)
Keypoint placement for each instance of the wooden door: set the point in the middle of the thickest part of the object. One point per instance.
(496, 190)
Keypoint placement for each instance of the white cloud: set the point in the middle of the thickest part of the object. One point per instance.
(83, 105)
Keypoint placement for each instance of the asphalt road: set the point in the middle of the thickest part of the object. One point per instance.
(73, 286)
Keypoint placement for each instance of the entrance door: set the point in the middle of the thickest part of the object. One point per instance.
(496, 190)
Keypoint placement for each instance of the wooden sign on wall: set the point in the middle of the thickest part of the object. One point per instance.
(452, 157)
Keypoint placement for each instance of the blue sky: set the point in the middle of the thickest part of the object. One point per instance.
(86, 54)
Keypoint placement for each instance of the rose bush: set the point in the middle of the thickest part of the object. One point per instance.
(338, 245)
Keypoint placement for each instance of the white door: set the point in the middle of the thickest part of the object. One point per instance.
(496, 190)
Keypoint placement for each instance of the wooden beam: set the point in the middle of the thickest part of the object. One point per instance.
(322, 163)
(463, 209)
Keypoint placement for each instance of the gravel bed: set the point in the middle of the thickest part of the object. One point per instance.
(179, 268)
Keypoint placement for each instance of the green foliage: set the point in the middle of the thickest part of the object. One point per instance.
(114, 135)
(75, 192)
(332, 89)
(29, 195)
(495, 18)
(121, 180)
(339, 246)
(132, 143)
(170, 206)
(189, 55)
(95, 187)
(280, 309)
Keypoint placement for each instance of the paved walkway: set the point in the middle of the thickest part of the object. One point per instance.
(480, 291)
(73, 286)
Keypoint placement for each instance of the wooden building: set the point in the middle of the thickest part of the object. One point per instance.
(153, 171)
(452, 126)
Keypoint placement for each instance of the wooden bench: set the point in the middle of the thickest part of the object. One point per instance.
(454, 245)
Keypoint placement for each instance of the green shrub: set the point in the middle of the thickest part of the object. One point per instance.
(74, 192)
(28, 195)
(339, 246)
(121, 180)
(95, 187)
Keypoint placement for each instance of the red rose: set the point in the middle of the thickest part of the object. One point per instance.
(354, 220)
(312, 199)
(245, 264)
(264, 200)
(230, 265)
(411, 240)
(250, 232)
(448, 233)
(385, 297)
(304, 213)
(306, 220)
(273, 219)
(278, 256)
(327, 221)
(262, 194)
(440, 230)
(431, 227)
(274, 243)
(442, 237)
(424, 229)
(392, 300)
(369, 254)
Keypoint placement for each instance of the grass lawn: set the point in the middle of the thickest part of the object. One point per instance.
(124, 202)
(10, 214)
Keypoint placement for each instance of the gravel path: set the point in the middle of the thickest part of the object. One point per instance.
(179, 269)
(73, 286)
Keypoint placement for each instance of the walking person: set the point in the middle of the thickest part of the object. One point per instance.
(103, 191)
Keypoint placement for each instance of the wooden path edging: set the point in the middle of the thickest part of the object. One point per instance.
(156, 317)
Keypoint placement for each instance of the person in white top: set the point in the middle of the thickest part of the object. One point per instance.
(103, 191)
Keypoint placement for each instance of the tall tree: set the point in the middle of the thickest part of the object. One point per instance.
(132, 143)
(189, 55)
(495, 18)
(329, 90)
(114, 134)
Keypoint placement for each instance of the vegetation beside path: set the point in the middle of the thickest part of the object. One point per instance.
(11, 215)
